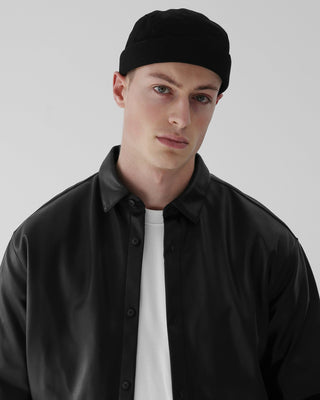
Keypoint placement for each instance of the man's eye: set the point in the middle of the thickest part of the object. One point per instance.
(203, 99)
(161, 89)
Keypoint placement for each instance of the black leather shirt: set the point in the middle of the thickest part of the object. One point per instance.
(243, 311)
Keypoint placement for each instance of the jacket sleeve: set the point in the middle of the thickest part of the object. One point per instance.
(13, 366)
(291, 364)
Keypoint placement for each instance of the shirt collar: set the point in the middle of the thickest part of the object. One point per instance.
(188, 203)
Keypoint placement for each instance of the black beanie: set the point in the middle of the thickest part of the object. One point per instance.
(178, 35)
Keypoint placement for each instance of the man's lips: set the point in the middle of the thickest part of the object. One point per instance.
(173, 141)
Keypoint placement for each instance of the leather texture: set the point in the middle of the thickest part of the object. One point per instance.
(243, 311)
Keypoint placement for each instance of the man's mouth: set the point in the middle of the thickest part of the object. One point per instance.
(175, 142)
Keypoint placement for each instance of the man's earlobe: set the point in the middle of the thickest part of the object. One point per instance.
(119, 86)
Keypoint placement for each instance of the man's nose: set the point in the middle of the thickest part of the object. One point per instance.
(180, 114)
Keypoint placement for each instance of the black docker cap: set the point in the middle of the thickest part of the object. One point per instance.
(178, 35)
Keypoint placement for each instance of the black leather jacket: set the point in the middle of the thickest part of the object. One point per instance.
(243, 311)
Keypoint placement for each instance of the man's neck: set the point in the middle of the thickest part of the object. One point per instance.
(155, 187)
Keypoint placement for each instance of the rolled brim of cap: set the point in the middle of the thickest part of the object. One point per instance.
(191, 50)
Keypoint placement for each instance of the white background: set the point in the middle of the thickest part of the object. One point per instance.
(58, 118)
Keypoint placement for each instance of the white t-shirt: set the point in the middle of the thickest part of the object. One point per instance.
(153, 372)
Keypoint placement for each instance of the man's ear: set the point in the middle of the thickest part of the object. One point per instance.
(119, 87)
(219, 97)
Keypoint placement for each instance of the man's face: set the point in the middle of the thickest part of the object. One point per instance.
(167, 110)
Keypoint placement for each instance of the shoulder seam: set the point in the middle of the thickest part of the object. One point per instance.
(65, 191)
(253, 201)
(16, 252)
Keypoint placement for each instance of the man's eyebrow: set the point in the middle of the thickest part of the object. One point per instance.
(179, 85)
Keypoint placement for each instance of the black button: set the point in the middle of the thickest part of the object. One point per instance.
(131, 312)
(135, 241)
(172, 248)
(132, 203)
(126, 385)
(180, 395)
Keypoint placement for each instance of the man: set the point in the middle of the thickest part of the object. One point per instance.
(154, 279)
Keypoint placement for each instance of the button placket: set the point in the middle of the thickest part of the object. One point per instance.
(132, 298)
